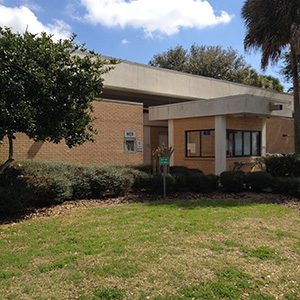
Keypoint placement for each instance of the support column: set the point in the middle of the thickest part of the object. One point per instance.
(220, 144)
(146, 145)
(263, 136)
(171, 139)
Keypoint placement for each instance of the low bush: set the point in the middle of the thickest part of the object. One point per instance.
(287, 186)
(281, 165)
(181, 181)
(200, 183)
(259, 181)
(183, 176)
(232, 181)
(14, 195)
(154, 184)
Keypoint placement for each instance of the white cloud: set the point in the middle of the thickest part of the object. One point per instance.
(124, 42)
(31, 5)
(162, 17)
(22, 18)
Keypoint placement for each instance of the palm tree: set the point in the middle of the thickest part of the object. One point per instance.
(271, 26)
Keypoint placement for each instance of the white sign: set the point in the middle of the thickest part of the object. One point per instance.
(129, 134)
(139, 145)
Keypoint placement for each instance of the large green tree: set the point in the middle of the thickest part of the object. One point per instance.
(286, 67)
(47, 88)
(271, 26)
(213, 62)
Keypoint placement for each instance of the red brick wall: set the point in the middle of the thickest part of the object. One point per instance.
(112, 119)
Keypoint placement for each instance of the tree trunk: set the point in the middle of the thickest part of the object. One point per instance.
(10, 154)
(296, 97)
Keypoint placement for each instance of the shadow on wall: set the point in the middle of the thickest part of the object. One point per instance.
(34, 149)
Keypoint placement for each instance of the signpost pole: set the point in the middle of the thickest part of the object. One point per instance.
(165, 186)
(164, 161)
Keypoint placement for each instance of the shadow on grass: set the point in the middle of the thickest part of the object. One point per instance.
(204, 203)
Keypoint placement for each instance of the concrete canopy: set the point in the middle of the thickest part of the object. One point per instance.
(243, 105)
(156, 86)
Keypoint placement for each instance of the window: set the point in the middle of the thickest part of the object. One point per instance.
(200, 143)
(243, 143)
(129, 141)
(129, 146)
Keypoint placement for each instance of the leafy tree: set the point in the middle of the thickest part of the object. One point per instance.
(286, 68)
(271, 26)
(263, 81)
(173, 59)
(47, 88)
(214, 62)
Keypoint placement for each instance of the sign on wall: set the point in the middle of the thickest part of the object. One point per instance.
(129, 134)
(139, 145)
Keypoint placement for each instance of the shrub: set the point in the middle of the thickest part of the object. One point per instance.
(141, 182)
(232, 181)
(287, 186)
(214, 181)
(181, 181)
(47, 190)
(200, 183)
(143, 168)
(182, 176)
(259, 181)
(154, 184)
(106, 185)
(281, 165)
(14, 195)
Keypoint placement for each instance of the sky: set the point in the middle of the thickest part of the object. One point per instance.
(135, 30)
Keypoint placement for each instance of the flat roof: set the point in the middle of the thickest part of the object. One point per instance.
(157, 86)
(245, 105)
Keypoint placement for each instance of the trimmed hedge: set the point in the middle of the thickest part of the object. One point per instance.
(200, 183)
(259, 181)
(281, 165)
(287, 186)
(37, 184)
(233, 181)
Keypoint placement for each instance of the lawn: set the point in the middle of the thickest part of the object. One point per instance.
(183, 249)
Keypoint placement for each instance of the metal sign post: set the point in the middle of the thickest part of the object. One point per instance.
(164, 161)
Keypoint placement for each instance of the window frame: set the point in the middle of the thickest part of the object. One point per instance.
(126, 151)
(186, 144)
(233, 132)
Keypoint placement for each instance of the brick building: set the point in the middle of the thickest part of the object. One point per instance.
(212, 124)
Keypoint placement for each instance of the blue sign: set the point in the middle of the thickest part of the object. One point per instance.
(206, 132)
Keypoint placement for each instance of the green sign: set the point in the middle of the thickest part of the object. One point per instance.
(164, 161)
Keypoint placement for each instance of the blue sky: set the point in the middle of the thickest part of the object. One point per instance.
(135, 30)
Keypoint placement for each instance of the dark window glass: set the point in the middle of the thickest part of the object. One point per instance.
(238, 146)
(255, 143)
(247, 143)
(208, 143)
(243, 143)
(200, 143)
(193, 143)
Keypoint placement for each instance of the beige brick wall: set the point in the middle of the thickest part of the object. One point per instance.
(207, 165)
(242, 123)
(113, 119)
(155, 131)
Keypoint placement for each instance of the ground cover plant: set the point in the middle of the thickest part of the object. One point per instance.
(178, 249)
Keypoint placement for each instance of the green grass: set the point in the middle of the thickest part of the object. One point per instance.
(184, 249)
